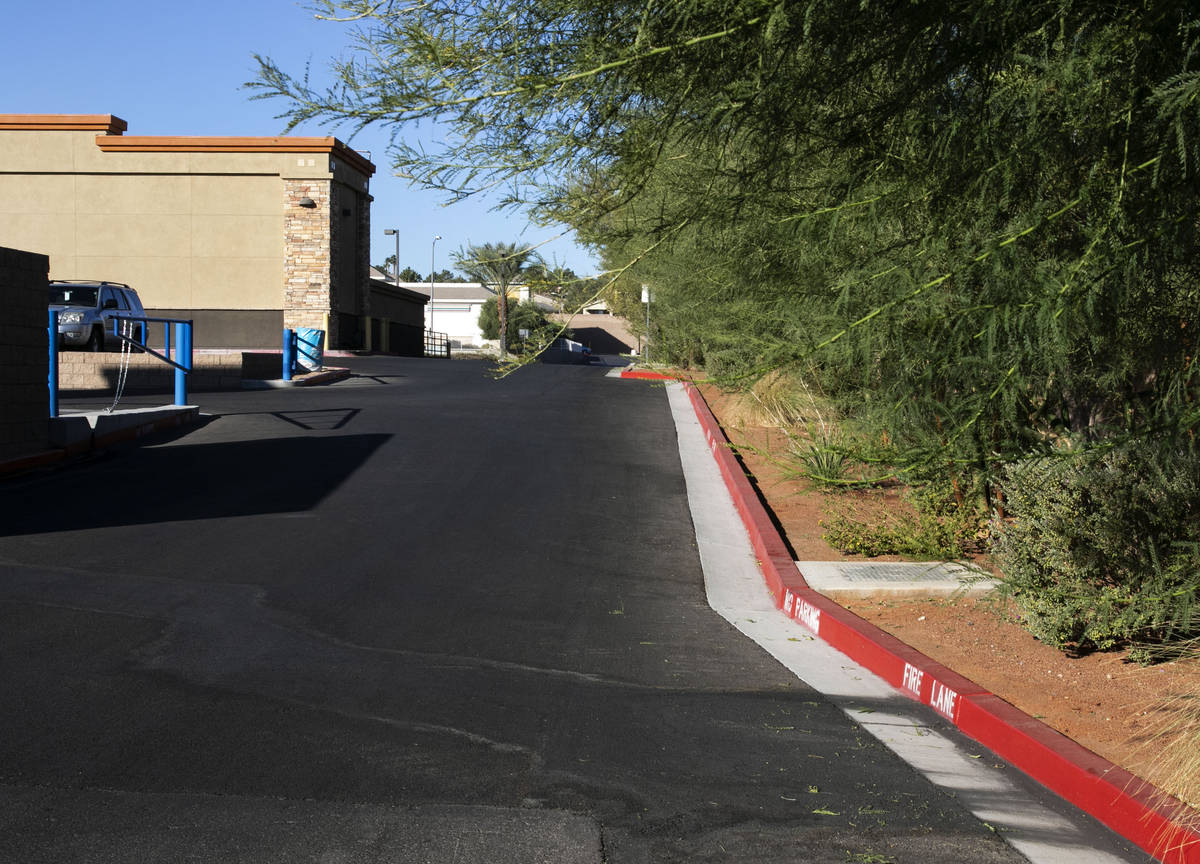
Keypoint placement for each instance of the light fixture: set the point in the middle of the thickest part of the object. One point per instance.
(390, 232)
(307, 202)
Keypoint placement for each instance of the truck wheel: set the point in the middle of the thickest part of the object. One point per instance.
(96, 340)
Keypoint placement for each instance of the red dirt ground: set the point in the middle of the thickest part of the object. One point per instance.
(1104, 702)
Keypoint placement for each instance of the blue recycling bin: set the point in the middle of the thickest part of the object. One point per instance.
(310, 348)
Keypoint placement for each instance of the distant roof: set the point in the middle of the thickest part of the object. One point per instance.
(455, 290)
(388, 286)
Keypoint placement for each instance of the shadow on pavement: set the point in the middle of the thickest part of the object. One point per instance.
(201, 481)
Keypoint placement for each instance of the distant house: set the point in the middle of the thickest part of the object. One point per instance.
(455, 306)
(245, 236)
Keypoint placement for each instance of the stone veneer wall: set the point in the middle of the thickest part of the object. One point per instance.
(307, 269)
(24, 364)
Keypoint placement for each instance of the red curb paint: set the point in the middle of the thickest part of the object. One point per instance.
(28, 463)
(647, 375)
(48, 457)
(1129, 806)
(326, 376)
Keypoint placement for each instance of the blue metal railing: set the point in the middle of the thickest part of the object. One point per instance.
(52, 378)
(289, 353)
(181, 350)
(303, 347)
(179, 356)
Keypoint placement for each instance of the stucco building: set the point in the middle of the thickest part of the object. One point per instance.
(245, 236)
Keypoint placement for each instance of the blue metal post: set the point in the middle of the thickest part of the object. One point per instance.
(289, 353)
(183, 351)
(52, 378)
(167, 340)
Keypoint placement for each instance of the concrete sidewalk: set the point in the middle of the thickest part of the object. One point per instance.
(1123, 803)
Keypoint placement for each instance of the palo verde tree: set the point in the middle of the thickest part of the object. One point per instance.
(975, 224)
(497, 266)
(973, 197)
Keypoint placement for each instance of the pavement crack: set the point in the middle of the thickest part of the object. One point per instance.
(419, 726)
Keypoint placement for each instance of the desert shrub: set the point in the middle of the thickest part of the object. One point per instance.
(928, 528)
(821, 463)
(1097, 552)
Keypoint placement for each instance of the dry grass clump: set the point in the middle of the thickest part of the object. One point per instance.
(783, 400)
(1168, 744)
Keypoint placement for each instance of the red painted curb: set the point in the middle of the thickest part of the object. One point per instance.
(1131, 807)
(325, 376)
(30, 462)
(647, 375)
(133, 432)
(94, 442)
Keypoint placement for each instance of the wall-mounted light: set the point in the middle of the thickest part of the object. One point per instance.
(307, 202)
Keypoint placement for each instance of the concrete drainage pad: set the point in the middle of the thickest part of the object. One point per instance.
(856, 580)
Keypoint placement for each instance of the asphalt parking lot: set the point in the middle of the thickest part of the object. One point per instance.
(421, 614)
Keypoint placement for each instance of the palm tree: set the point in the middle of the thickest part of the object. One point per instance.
(498, 265)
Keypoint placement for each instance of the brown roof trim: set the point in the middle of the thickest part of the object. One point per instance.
(189, 144)
(106, 123)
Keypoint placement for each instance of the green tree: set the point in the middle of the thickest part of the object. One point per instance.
(497, 266)
(388, 265)
(408, 274)
(522, 316)
(949, 208)
(569, 291)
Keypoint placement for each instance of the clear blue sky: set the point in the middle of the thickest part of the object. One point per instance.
(177, 68)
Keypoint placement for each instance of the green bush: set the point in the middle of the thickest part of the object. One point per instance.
(1099, 552)
(525, 316)
(944, 532)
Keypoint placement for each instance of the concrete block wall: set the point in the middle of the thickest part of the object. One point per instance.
(24, 364)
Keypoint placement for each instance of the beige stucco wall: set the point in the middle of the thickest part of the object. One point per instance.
(185, 241)
(188, 230)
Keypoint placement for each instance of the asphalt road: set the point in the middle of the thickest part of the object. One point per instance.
(420, 615)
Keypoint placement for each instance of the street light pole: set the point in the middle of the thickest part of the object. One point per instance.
(432, 250)
(390, 232)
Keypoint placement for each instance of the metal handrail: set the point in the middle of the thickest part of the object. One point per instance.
(182, 349)
(141, 343)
